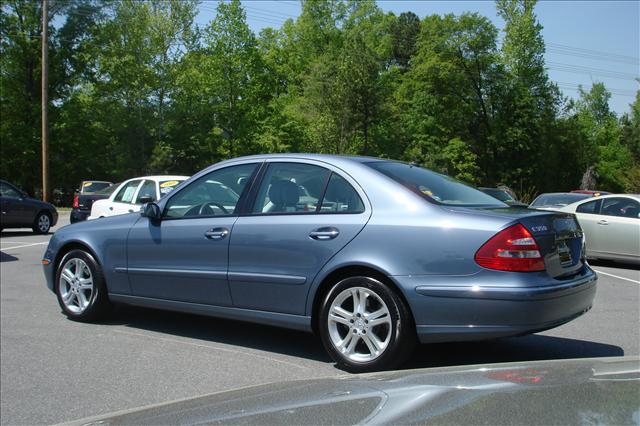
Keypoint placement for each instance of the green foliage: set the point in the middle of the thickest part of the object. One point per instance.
(137, 87)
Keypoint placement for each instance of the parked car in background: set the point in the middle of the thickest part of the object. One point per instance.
(133, 193)
(82, 203)
(503, 196)
(92, 186)
(590, 192)
(372, 255)
(20, 210)
(556, 200)
(611, 224)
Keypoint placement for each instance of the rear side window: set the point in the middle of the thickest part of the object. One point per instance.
(434, 186)
(8, 191)
(340, 197)
(590, 208)
(621, 207)
(291, 188)
(125, 195)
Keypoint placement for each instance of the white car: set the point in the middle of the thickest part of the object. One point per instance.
(611, 224)
(133, 193)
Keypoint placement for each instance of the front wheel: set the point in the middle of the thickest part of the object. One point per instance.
(80, 287)
(365, 326)
(42, 223)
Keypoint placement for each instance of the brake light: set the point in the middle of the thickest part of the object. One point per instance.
(76, 202)
(512, 249)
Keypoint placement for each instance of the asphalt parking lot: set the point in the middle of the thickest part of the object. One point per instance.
(55, 370)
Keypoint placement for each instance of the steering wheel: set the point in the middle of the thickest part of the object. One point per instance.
(205, 209)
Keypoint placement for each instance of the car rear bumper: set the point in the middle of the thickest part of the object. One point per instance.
(78, 215)
(474, 312)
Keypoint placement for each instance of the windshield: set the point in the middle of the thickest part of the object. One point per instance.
(166, 186)
(89, 187)
(558, 199)
(434, 186)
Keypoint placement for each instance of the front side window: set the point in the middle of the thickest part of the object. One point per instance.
(215, 194)
(148, 189)
(434, 186)
(125, 195)
(291, 188)
(621, 207)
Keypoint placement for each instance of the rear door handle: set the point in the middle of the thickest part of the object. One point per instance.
(603, 222)
(325, 233)
(216, 233)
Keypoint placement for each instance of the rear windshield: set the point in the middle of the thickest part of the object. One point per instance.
(434, 186)
(498, 193)
(108, 190)
(545, 200)
(90, 187)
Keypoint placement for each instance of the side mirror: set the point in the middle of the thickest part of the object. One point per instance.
(152, 211)
(146, 199)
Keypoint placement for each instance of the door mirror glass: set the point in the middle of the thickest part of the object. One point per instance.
(152, 211)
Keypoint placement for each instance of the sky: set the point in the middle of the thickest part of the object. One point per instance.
(586, 41)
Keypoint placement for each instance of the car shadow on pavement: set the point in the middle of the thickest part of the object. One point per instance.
(611, 264)
(306, 345)
(4, 257)
(526, 348)
(215, 330)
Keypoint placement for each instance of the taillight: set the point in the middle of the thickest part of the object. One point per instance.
(76, 202)
(512, 249)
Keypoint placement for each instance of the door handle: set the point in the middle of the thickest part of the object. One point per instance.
(216, 233)
(325, 233)
(603, 222)
(111, 208)
(130, 210)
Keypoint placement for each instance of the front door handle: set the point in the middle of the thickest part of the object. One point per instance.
(216, 233)
(603, 222)
(325, 233)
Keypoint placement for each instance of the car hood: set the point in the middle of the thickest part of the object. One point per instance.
(603, 391)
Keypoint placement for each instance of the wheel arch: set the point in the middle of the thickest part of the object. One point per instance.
(346, 271)
(69, 246)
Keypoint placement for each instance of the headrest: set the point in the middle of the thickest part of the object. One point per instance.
(284, 193)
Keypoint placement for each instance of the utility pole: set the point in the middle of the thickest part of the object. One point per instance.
(45, 117)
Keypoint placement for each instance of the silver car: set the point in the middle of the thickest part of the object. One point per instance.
(372, 255)
(611, 224)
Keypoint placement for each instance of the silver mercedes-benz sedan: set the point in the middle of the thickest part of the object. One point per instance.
(373, 255)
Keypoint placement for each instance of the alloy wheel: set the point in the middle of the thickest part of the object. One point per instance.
(76, 285)
(359, 324)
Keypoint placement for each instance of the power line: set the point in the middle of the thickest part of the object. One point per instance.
(591, 51)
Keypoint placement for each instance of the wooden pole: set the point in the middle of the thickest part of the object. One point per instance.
(45, 117)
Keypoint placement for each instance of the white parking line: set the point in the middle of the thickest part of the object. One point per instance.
(24, 245)
(617, 276)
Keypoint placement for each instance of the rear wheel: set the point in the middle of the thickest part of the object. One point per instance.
(42, 223)
(80, 287)
(365, 326)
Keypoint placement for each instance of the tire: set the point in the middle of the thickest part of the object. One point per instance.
(42, 223)
(80, 287)
(347, 333)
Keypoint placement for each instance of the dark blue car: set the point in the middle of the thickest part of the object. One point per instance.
(372, 255)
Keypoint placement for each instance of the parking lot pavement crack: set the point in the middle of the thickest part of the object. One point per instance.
(216, 348)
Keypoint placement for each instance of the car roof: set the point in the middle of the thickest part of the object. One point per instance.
(160, 177)
(634, 196)
(320, 157)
